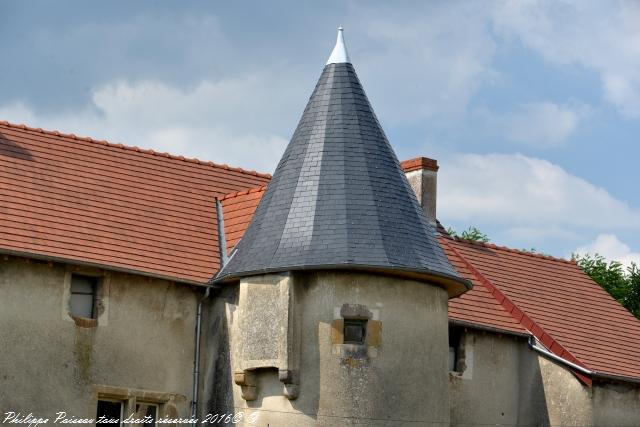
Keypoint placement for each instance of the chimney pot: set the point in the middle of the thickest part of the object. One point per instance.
(422, 174)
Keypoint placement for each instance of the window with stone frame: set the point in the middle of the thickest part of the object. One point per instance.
(147, 412)
(109, 412)
(355, 331)
(140, 407)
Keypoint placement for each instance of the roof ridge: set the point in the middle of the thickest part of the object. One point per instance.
(521, 317)
(508, 249)
(242, 192)
(134, 148)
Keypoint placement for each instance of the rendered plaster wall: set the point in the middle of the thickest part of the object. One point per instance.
(517, 386)
(616, 404)
(505, 382)
(568, 401)
(492, 369)
(143, 341)
(400, 378)
(217, 376)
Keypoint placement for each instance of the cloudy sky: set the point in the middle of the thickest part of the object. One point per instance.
(532, 108)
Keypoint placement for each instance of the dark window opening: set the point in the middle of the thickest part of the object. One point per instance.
(455, 349)
(83, 296)
(355, 331)
(148, 412)
(109, 410)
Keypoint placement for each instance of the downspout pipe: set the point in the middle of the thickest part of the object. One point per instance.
(222, 248)
(196, 356)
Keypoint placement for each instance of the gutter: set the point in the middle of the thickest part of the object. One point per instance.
(485, 328)
(107, 267)
(533, 343)
(222, 247)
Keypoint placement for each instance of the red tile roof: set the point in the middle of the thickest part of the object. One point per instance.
(522, 293)
(72, 198)
(478, 306)
(560, 305)
(87, 201)
(238, 210)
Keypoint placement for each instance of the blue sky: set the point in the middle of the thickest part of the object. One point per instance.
(532, 108)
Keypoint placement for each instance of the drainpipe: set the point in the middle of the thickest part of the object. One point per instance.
(222, 247)
(196, 357)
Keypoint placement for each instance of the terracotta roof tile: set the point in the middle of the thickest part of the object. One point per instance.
(6, 124)
(68, 197)
(478, 305)
(570, 313)
(238, 209)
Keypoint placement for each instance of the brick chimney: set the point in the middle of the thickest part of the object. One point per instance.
(422, 174)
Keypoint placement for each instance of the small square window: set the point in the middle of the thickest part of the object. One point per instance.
(355, 331)
(83, 296)
(110, 410)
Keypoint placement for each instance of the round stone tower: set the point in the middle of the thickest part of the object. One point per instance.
(341, 316)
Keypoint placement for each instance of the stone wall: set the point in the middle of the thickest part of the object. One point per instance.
(505, 382)
(141, 347)
(398, 377)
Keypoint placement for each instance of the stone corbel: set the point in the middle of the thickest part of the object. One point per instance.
(279, 353)
(290, 381)
(247, 381)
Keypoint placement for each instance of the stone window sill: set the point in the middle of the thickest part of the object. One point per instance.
(84, 322)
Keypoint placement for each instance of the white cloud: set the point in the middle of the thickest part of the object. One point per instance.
(425, 61)
(413, 65)
(516, 191)
(539, 124)
(602, 36)
(439, 55)
(229, 121)
(610, 247)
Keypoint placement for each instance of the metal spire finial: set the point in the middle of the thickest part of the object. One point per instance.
(339, 54)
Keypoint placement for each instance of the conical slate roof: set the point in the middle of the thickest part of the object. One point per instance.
(339, 198)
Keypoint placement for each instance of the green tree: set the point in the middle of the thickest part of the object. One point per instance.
(632, 298)
(471, 233)
(622, 285)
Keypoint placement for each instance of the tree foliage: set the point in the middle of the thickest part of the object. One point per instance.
(471, 233)
(621, 284)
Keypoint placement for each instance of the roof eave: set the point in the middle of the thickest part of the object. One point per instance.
(455, 286)
(107, 267)
(612, 377)
(487, 328)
